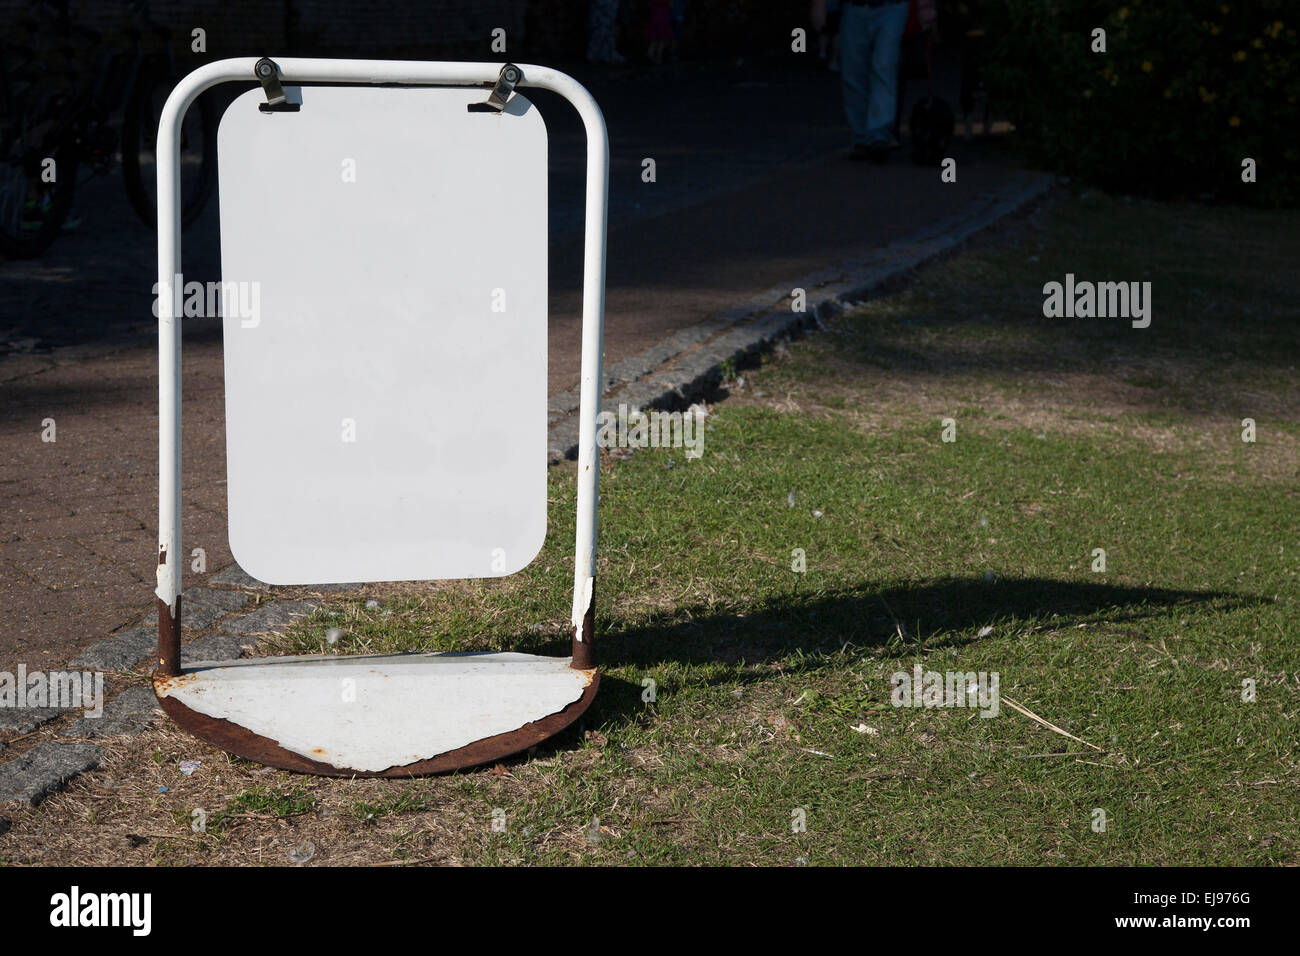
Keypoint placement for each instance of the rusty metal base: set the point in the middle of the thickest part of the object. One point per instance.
(242, 742)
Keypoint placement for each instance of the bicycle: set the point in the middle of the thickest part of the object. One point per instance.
(53, 121)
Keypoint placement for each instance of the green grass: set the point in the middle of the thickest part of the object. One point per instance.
(974, 555)
(262, 801)
(391, 802)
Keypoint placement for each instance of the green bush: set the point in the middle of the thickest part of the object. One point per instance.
(1184, 92)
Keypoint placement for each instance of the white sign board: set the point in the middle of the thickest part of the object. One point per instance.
(385, 339)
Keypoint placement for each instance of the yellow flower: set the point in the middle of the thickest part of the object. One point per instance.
(1169, 94)
(1257, 43)
(1234, 121)
(1225, 8)
(1214, 31)
(1123, 13)
(1087, 94)
(1238, 56)
(1146, 66)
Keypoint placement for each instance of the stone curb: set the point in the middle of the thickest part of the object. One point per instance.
(44, 769)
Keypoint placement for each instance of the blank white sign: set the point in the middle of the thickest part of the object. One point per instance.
(385, 347)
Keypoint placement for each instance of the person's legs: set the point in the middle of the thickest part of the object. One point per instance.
(888, 23)
(855, 69)
(602, 27)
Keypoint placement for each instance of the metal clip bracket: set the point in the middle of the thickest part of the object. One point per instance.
(510, 77)
(268, 74)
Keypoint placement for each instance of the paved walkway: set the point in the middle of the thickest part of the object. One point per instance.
(750, 194)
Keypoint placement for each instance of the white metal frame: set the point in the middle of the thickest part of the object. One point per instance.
(296, 71)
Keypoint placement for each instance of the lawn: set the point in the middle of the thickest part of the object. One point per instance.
(754, 604)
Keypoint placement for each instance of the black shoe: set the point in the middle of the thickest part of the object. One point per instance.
(878, 152)
(858, 151)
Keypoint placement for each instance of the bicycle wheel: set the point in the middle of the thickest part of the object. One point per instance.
(139, 135)
(32, 210)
